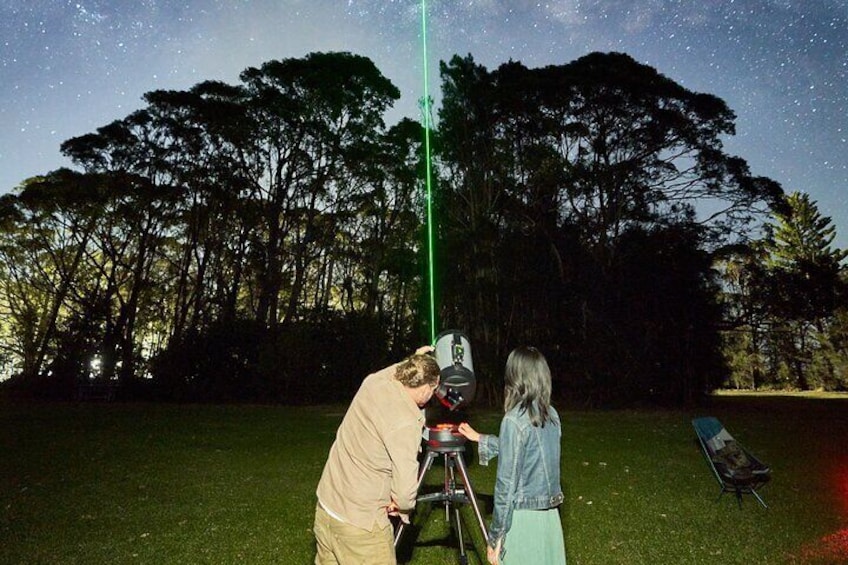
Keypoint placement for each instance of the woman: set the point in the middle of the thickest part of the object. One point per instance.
(525, 526)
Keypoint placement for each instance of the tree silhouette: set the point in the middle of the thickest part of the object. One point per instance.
(216, 229)
(565, 168)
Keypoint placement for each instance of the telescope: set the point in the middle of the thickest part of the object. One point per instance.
(456, 369)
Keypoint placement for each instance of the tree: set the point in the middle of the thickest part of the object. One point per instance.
(559, 172)
(379, 249)
(804, 285)
(137, 213)
(801, 258)
(745, 326)
(205, 133)
(309, 113)
(474, 182)
(786, 299)
(48, 228)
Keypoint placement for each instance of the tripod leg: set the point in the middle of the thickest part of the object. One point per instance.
(459, 537)
(426, 463)
(452, 501)
(449, 485)
(469, 491)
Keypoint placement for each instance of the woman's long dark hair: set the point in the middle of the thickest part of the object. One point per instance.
(528, 384)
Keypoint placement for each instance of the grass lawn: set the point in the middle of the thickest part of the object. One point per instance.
(140, 483)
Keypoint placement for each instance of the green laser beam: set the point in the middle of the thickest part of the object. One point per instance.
(431, 270)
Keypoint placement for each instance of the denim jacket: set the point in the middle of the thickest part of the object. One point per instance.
(528, 469)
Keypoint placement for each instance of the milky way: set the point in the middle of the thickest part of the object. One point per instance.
(68, 67)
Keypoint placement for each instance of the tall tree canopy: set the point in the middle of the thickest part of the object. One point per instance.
(566, 167)
(261, 239)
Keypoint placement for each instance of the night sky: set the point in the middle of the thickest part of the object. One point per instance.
(69, 67)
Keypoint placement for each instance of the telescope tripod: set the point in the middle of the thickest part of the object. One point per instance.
(452, 494)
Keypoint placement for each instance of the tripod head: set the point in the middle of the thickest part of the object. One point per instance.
(444, 438)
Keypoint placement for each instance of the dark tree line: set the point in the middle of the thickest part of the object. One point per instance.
(264, 241)
(578, 186)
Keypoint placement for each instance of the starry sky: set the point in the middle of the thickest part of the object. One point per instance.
(68, 67)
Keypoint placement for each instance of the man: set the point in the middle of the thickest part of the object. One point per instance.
(372, 470)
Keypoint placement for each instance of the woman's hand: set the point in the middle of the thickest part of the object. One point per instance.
(493, 553)
(468, 432)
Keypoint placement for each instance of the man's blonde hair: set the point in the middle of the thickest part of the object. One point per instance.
(416, 370)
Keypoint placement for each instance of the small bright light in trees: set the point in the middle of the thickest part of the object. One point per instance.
(95, 364)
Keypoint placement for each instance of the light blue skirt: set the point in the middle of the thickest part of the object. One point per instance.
(535, 537)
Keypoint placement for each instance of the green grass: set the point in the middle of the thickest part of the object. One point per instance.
(110, 483)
